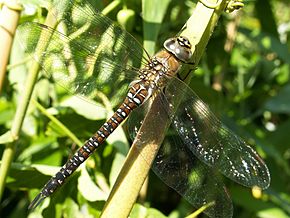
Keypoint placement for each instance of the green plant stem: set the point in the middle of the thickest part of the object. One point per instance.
(198, 30)
(58, 123)
(20, 63)
(9, 15)
(8, 153)
(110, 7)
(200, 210)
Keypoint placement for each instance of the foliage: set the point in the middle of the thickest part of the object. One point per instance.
(243, 76)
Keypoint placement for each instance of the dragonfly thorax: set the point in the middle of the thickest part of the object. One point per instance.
(154, 74)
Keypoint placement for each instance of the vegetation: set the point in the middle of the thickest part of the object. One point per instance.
(243, 76)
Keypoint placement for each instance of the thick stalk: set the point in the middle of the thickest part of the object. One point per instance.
(198, 30)
(9, 16)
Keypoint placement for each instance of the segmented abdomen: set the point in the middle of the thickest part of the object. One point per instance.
(135, 97)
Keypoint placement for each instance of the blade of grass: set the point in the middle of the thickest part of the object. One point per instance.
(152, 19)
(9, 16)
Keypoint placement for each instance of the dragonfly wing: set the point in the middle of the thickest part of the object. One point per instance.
(175, 164)
(136, 118)
(195, 181)
(211, 141)
(86, 56)
(85, 22)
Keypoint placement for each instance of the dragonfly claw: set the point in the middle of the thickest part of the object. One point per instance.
(36, 201)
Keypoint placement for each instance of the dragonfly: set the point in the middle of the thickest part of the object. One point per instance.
(88, 52)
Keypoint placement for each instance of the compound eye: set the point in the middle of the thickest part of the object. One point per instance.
(180, 47)
(183, 42)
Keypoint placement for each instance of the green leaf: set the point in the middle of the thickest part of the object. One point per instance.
(116, 167)
(7, 111)
(281, 102)
(71, 209)
(140, 211)
(272, 212)
(6, 138)
(152, 19)
(88, 188)
(22, 176)
(89, 109)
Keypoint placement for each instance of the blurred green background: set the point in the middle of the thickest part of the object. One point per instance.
(243, 76)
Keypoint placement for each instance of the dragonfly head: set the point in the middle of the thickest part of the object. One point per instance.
(180, 47)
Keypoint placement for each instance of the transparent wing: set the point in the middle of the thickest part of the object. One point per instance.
(212, 142)
(177, 166)
(87, 53)
(136, 118)
(198, 183)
